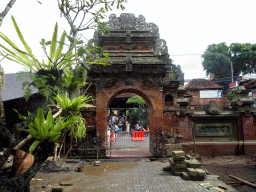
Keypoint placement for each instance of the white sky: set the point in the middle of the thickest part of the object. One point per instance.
(188, 26)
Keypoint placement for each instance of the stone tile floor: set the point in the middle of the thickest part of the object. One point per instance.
(123, 175)
(125, 147)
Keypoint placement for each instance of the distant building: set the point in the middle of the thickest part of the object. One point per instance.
(202, 91)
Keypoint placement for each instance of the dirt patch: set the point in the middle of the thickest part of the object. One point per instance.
(51, 174)
(243, 167)
(96, 170)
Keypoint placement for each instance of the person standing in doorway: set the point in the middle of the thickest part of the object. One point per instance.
(116, 128)
(127, 127)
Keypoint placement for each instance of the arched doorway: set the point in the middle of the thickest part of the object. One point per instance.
(127, 144)
(153, 101)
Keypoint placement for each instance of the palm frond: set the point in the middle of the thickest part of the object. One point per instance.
(53, 44)
(21, 36)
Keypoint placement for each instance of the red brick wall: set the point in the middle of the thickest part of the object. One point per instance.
(248, 126)
(223, 149)
(181, 125)
(198, 101)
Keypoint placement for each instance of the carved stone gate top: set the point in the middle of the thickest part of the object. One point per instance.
(136, 52)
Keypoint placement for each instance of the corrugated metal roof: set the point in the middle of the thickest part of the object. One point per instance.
(13, 88)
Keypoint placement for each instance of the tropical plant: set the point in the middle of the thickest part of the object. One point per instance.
(56, 59)
(69, 105)
(46, 130)
(73, 80)
(70, 111)
(135, 116)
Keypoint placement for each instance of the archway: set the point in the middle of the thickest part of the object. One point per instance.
(152, 97)
(126, 144)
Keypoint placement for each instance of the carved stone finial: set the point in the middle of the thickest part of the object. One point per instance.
(161, 48)
(128, 37)
(213, 108)
(128, 61)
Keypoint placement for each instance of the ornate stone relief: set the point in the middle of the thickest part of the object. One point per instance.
(128, 37)
(104, 83)
(109, 48)
(153, 82)
(128, 61)
(213, 108)
(129, 81)
(128, 21)
(161, 48)
(128, 46)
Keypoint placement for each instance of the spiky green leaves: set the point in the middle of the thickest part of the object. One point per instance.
(48, 130)
(69, 105)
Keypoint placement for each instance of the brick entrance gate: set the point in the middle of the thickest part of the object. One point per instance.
(139, 63)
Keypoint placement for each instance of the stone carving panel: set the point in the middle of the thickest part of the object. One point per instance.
(153, 82)
(127, 47)
(128, 21)
(104, 83)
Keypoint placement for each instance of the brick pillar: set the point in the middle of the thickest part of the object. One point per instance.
(248, 127)
(101, 115)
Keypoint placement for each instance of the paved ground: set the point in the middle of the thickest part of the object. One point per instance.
(126, 175)
(119, 174)
(125, 147)
(124, 141)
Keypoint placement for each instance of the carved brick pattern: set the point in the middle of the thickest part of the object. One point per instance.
(128, 46)
(221, 129)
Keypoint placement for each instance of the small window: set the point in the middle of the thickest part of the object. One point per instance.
(168, 100)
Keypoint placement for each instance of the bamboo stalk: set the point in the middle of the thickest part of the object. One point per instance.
(65, 156)
(244, 181)
(22, 142)
(62, 143)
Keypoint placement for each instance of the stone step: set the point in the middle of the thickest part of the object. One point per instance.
(178, 165)
(185, 176)
(174, 161)
(189, 157)
(167, 168)
(177, 154)
(201, 172)
(192, 171)
(193, 163)
(174, 169)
